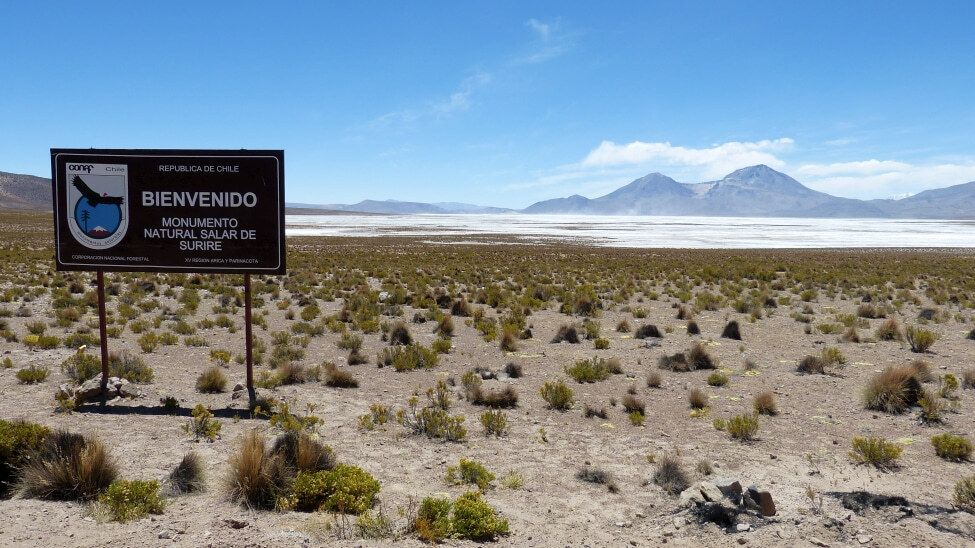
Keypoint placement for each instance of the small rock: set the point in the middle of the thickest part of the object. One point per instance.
(678, 522)
(710, 492)
(691, 497)
(743, 527)
(742, 540)
(763, 499)
(238, 387)
(235, 523)
(165, 534)
(864, 539)
(730, 488)
(815, 541)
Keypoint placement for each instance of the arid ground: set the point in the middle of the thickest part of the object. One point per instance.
(788, 304)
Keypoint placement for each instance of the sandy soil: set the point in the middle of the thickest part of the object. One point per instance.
(805, 447)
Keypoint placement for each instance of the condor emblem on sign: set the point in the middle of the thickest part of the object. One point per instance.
(97, 207)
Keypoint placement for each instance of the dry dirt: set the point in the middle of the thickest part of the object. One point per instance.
(804, 448)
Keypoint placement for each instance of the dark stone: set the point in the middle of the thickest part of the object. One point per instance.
(764, 501)
(722, 513)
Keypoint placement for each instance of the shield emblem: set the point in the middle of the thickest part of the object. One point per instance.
(98, 211)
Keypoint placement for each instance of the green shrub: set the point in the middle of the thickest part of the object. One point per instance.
(919, 339)
(81, 367)
(601, 343)
(433, 519)
(18, 440)
(495, 423)
(557, 395)
(743, 427)
(473, 519)
(203, 426)
(875, 451)
(32, 374)
(833, 356)
(952, 447)
(148, 341)
(345, 489)
(717, 379)
(441, 345)
(591, 370)
(949, 384)
(469, 472)
(408, 358)
(125, 500)
(965, 494)
(129, 367)
(433, 422)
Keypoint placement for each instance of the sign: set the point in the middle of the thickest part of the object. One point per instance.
(219, 211)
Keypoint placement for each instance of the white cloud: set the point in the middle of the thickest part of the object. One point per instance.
(713, 161)
(543, 30)
(882, 178)
(458, 101)
(550, 42)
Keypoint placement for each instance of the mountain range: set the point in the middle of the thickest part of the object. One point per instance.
(756, 191)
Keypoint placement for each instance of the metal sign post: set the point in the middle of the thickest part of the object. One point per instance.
(214, 211)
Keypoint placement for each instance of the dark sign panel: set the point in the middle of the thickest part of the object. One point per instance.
(216, 211)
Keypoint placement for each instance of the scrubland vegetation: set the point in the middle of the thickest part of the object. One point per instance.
(493, 382)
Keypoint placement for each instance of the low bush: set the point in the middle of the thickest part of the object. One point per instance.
(344, 489)
(514, 370)
(211, 381)
(674, 362)
(126, 500)
(469, 517)
(812, 365)
(495, 423)
(591, 474)
(589, 412)
(654, 380)
(965, 494)
(693, 328)
(129, 367)
(67, 467)
(504, 398)
(632, 403)
(875, 451)
(592, 370)
(433, 422)
(399, 334)
(18, 441)
(697, 398)
(257, 479)
(408, 358)
(920, 339)
(698, 357)
(601, 344)
(469, 472)
(743, 427)
(717, 379)
(893, 390)
(623, 326)
(952, 447)
(202, 425)
(557, 395)
(81, 367)
(889, 330)
(32, 374)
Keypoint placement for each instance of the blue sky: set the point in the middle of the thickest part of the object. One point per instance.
(504, 103)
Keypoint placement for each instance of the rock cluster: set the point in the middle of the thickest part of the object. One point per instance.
(91, 390)
(725, 502)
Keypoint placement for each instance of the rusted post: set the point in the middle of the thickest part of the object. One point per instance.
(247, 339)
(102, 331)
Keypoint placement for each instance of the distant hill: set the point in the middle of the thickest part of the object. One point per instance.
(24, 192)
(758, 191)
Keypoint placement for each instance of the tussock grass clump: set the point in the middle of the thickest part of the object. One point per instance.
(833, 356)
(965, 494)
(303, 453)
(920, 339)
(671, 476)
(508, 342)
(399, 334)
(812, 365)
(514, 370)
(875, 451)
(932, 407)
(256, 478)
(674, 362)
(211, 381)
(697, 398)
(890, 330)
(731, 331)
(126, 500)
(632, 404)
(67, 467)
(338, 378)
(461, 308)
(743, 427)
(647, 331)
(952, 447)
(590, 412)
(469, 472)
(893, 390)
(591, 474)
(567, 333)
(922, 370)
(968, 378)
(654, 380)
(764, 404)
(291, 373)
(19, 440)
(684, 313)
(693, 328)
(624, 326)
(407, 358)
(445, 326)
(504, 398)
(189, 476)
(557, 395)
(698, 357)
